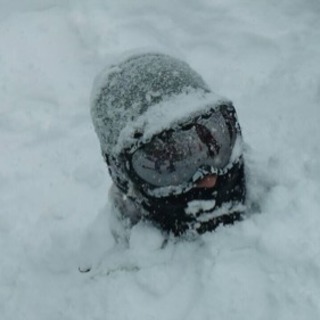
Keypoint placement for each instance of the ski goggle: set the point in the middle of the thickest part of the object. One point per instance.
(174, 156)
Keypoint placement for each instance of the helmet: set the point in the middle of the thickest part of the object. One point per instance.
(150, 94)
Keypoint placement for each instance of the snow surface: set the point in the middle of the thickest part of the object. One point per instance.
(264, 55)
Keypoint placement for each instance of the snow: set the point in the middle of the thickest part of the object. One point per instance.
(168, 112)
(116, 98)
(263, 55)
(193, 206)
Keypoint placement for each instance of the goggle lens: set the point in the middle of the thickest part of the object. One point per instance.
(174, 156)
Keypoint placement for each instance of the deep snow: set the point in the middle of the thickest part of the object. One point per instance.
(264, 55)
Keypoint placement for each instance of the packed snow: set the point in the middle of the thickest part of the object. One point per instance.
(264, 56)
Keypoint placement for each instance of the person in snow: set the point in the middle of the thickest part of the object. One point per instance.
(173, 148)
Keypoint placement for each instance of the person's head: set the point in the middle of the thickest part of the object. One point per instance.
(171, 145)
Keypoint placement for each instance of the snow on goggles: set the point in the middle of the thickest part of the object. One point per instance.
(174, 156)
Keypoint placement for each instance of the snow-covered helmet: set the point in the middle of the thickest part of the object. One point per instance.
(144, 97)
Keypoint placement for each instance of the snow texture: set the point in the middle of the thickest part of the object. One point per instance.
(264, 56)
(193, 206)
(126, 98)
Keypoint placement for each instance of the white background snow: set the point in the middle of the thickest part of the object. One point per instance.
(264, 55)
